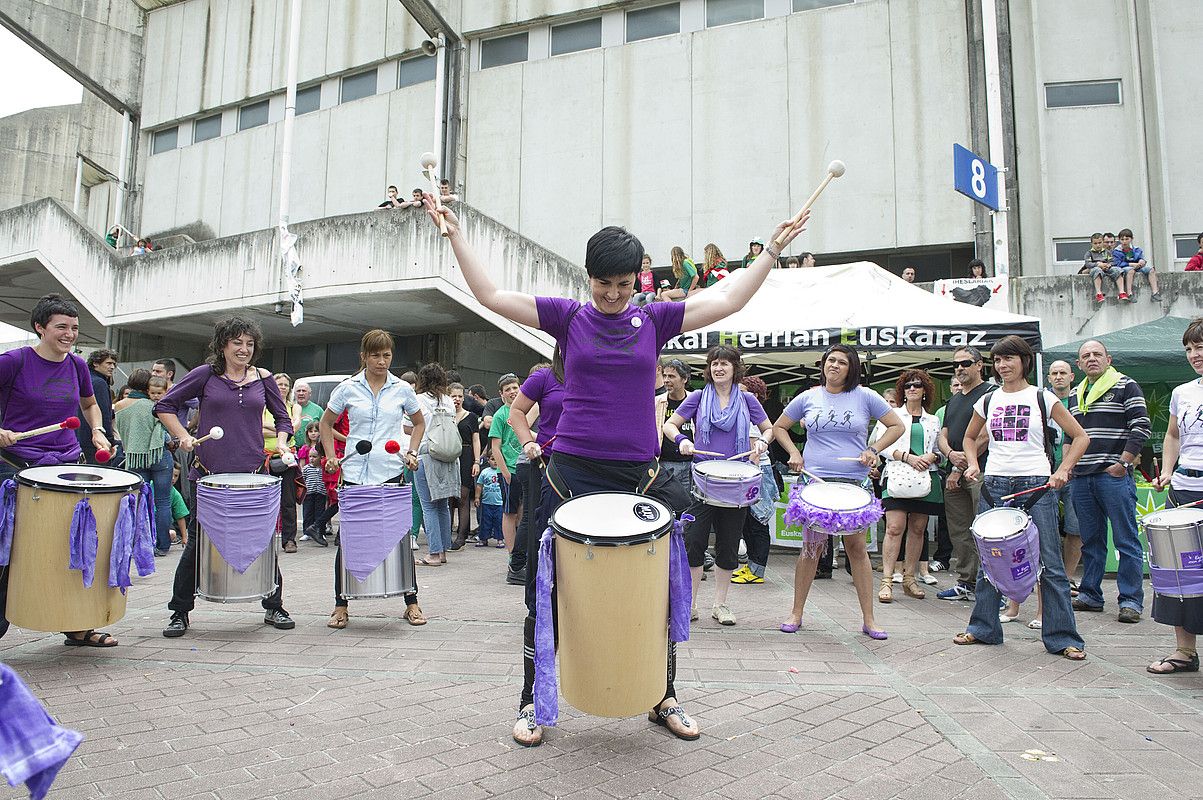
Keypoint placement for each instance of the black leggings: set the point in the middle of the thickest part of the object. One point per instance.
(728, 524)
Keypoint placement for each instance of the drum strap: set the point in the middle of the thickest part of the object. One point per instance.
(1026, 504)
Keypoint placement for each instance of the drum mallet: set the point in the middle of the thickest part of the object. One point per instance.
(1025, 491)
(70, 423)
(215, 433)
(430, 165)
(392, 447)
(363, 447)
(103, 456)
(834, 170)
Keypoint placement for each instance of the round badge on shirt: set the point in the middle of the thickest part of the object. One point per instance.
(636, 322)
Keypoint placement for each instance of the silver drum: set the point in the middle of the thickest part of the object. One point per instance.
(216, 580)
(395, 576)
(1175, 538)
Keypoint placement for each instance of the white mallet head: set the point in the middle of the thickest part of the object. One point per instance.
(836, 168)
(216, 432)
(428, 161)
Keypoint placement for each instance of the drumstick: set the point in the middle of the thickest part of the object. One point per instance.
(738, 456)
(847, 458)
(429, 163)
(834, 170)
(708, 453)
(214, 433)
(1025, 491)
(70, 423)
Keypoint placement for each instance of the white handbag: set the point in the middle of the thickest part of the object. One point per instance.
(905, 482)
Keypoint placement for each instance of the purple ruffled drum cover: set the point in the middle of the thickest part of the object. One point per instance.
(1008, 544)
(825, 509)
(239, 522)
(372, 520)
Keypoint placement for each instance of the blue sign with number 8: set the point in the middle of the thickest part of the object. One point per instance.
(975, 177)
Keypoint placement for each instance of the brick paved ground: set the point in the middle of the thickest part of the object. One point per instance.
(237, 710)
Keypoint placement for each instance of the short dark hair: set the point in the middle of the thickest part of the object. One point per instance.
(168, 366)
(394, 188)
(47, 307)
(477, 390)
(971, 350)
(506, 379)
(139, 380)
(1109, 233)
(1194, 331)
(1125, 232)
(612, 252)
(454, 377)
(418, 190)
(676, 365)
(725, 352)
(976, 262)
(99, 356)
(804, 255)
(1199, 238)
(852, 380)
(1014, 346)
(223, 332)
(432, 379)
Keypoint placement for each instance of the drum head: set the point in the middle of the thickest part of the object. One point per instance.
(1175, 517)
(238, 480)
(79, 478)
(999, 523)
(727, 470)
(610, 519)
(836, 496)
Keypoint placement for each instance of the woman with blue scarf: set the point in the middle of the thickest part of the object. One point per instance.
(729, 421)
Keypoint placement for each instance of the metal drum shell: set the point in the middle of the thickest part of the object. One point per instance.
(396, 575)
(216, 580)
(710, 487)
(1171, 533)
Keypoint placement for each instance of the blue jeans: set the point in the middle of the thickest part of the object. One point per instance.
(159, 477)
(1099, 499)
(436, 516)
(490, 523)
(1059, 629)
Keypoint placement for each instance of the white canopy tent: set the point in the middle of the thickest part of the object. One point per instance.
(892, 324)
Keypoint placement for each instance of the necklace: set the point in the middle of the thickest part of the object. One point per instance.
(241, 381)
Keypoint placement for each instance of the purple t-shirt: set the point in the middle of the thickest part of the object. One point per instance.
(545, 389)
(34, 393)
(238, 411)
(609, 373)
(837, 425)
(721, 441)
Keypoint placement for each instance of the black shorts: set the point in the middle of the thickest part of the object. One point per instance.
(511, 493)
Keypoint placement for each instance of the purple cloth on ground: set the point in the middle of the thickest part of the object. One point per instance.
(1177, 582)
(33, 747)
(84, 541)
(547, 701)
(132, 539)
(374, 518)
(680, 583)
(8, 516)
(239, 522)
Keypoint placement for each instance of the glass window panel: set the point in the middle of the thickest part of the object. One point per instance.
(1086, 93)
(574, 36)
(206, 128)
(309, 99)
(1185, 247)
(646, 23)
(415, 70)
(811, 5)
(1070, 250)
(252, 116)
(725, 12)
(356, 86)
(166, 139)
(503, 50)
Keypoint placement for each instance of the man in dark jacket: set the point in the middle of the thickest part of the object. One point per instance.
(101, 365)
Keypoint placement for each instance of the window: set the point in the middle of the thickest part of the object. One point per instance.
(166, 139)
(309, 99)
(1067, 251)
(1085, 93)
(574, 36)
(206, 128)
(647, 23)
(252, 116)
(725, 12)
(362, 84)
(503, 50)
(1184, 246)
(811, 5)
(415, 70)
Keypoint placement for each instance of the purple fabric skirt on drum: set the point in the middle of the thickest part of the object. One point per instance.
(239, 522)
(372, 520)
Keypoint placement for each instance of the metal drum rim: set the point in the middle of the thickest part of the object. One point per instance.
(205, 480)
(54, 487)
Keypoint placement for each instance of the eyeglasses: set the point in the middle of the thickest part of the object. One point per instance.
(913, 385)
(964, 363)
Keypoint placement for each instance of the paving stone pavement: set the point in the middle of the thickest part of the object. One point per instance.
(237, 710)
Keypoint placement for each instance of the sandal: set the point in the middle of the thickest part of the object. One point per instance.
(426, 562)
(413, 615)
(1074, 653)
(911, 587)
(966, 638)
(1175, 665)
(526, 731)
(677, 721)
(338, 619)
(90, 638)
(886, 593)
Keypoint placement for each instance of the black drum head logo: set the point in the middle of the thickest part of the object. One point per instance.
(646, 512)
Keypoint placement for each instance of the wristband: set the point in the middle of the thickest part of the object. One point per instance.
(773, 251)
(874, 450)
(677, 439)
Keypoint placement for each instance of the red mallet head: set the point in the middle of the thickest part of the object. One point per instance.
(391, 447)
(102, 456)
(70, 423)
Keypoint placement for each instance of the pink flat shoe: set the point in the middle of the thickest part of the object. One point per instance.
(790, 627)
(874, 633)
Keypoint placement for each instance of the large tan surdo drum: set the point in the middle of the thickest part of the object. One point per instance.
(44, 593)
(612, 599)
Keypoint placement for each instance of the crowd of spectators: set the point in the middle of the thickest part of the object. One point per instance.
(1118, 263)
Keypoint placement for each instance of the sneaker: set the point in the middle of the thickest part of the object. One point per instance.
(319, 539)
(935, 566)
(823, 575)
(723, 615)
(708, 564)
(897, 578)
(304, 537)
(1082, 605)
(928, 579)
(1127, 614)
(693, 614)
(160, 553)
(745, 576)
(958, 591)
(278, 618)
(742, 553)
(177, 626)
(290, 547)
(1123, 295)
(1098, 298)
(1156, 296)
(516, 578)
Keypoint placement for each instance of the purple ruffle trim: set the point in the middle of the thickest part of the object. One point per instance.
(834, 523)
(84, 541)
(8, 514)
(1177, 582)
(680, 583)
(547, 702)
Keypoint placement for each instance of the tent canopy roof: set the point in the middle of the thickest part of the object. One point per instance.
(1151, 351)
